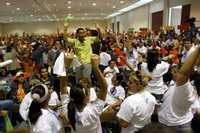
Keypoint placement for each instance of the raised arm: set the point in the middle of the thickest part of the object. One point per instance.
(66, 26)
(99, 31)
(100, 78)
(186, 69)
(68, 58)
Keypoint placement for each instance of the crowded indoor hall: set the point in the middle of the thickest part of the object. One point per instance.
(99, 66)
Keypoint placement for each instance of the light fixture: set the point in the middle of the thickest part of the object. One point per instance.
(131, 7)
(85, 14)
(31, 15)
(69, 2)
(121, 1)
(39, 19)
(69, 7)
(18, 9)
(54, 4)
(94, 4)
(177, 7)
(69, 14)
(8, 4)
(114, 7)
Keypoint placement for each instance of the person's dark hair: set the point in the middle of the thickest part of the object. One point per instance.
(195, 123)
(156, 128)
(35, 108)
(36, 46)
(9, 49)
(168, 77)
(111, 61)
(119, 78)
(104, 48)
(3, 72)
(56, 87)
(197, 83)
(77, 96)
(94, 33)
(79, 29)
(152, 59)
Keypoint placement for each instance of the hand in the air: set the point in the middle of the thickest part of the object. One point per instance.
(95, 60)
(69, 55)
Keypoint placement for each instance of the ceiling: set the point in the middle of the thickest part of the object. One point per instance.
(56, 10)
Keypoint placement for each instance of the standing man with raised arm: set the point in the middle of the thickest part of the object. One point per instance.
(83, 51)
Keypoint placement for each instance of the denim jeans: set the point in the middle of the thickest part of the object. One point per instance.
(8, 106)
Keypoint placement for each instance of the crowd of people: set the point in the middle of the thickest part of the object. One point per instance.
(99, 81)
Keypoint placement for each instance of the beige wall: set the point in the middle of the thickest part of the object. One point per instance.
(48, 27)
(134, 19)
(173, 3)
(195, 11)
(137, 18)
(1, 29)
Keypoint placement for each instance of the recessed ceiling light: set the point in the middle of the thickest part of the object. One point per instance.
(69, 7)
(54, 4)
(85, 14)
(82, 18)
(39, 19)
(8, 4)
(31, 15)
(94, 4)
(121, 1)
(69, 2)
(18, 9)
(114, 7)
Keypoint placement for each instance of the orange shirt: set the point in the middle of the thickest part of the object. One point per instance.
(20, 93)
(174, 54)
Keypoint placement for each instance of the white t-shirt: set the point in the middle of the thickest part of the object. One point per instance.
(53, 101)
(133, 59)
(137, 110)
(104, 58)
(113, 95)
(176, 108)
(156, 84)
(47, 123)
(24, 106)
(142, 50)
(88, 120)
(66, 99)
(109, 75)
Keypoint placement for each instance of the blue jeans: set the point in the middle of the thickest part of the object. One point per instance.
(8, 106)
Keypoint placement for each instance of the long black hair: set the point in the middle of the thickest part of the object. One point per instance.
(152, 59)
(77, 96)
(35, 108)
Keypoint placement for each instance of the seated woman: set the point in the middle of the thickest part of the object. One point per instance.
(136, 110)
(114, 98)
(115, 92)
(83, 115)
